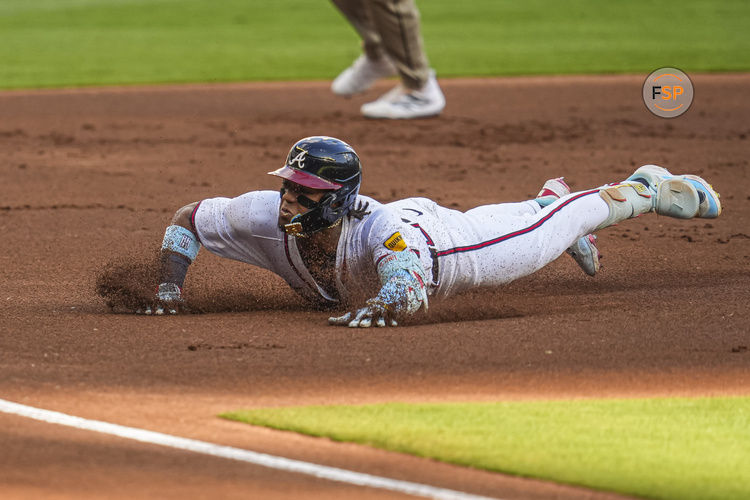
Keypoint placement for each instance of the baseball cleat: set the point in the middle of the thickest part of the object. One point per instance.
(682, 196)
(361, 75)
(586, 254)
(553, 190)
(584, 251)
(402, 103)
(554, 187)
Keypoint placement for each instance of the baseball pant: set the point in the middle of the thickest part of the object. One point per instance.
(392, 28)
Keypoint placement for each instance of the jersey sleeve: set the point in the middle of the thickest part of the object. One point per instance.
(397, 263)
(236, 228)
(385, 237)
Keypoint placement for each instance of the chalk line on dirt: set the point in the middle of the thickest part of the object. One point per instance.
(252, 457)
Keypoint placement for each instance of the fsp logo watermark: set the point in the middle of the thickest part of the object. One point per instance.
(668, 92)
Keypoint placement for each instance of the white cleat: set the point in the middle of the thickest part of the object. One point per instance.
(676, 194)
(554, 187)
(586, 254)
(361, 75)
(402, 103)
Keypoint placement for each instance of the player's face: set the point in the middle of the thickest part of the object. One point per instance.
(296, 200)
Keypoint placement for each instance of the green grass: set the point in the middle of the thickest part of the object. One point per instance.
(654, 448)
(53, 43)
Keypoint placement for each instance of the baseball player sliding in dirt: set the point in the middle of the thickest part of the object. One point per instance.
(338, 248)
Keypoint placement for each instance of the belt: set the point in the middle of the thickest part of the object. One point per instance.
(435, 265)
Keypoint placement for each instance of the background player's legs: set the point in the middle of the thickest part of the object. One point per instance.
(392, 38)
(390, 28)
(397, 22)
(419, 94)
(357, 12)
(373, 64)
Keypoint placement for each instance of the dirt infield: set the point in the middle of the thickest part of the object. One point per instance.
(90, 178)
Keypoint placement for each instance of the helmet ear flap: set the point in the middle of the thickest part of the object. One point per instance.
(331, 200)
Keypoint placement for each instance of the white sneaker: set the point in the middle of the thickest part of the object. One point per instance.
(361, 75)
(403, 103)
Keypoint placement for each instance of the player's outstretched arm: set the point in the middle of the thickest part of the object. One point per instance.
(403, 293)
(178, 250)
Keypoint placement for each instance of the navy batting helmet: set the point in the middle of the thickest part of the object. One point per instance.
(327, 163)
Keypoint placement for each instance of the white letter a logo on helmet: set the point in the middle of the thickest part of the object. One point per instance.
(299, 160)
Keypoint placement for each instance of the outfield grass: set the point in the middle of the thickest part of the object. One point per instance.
(53, 43)
(653, 448)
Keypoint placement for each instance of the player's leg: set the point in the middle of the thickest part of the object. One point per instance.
(660, 179)
(502, 211)
(512, 247)
(373, 64)
(506, 247)
(584, 251)
(654, 189)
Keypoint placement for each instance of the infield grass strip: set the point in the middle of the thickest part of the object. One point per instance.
(53, 43)
(653, 448)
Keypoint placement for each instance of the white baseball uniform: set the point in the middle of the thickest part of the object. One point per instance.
(486, 246)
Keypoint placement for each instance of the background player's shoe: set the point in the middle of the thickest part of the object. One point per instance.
(361, 75)
(659, 179)
(402, 103)
(584, 251)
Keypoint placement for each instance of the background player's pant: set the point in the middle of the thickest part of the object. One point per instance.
(390, 27)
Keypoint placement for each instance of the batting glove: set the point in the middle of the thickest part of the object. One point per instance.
(375, 312)
(168, 300)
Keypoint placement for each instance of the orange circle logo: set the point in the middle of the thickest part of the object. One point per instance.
(668, 92)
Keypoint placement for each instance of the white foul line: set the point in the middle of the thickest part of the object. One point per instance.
(262, 459)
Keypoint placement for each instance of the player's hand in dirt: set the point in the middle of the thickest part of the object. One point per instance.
(168, 301)
(374, 313)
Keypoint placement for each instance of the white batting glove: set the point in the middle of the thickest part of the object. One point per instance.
(373, 313)
(168, 300)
